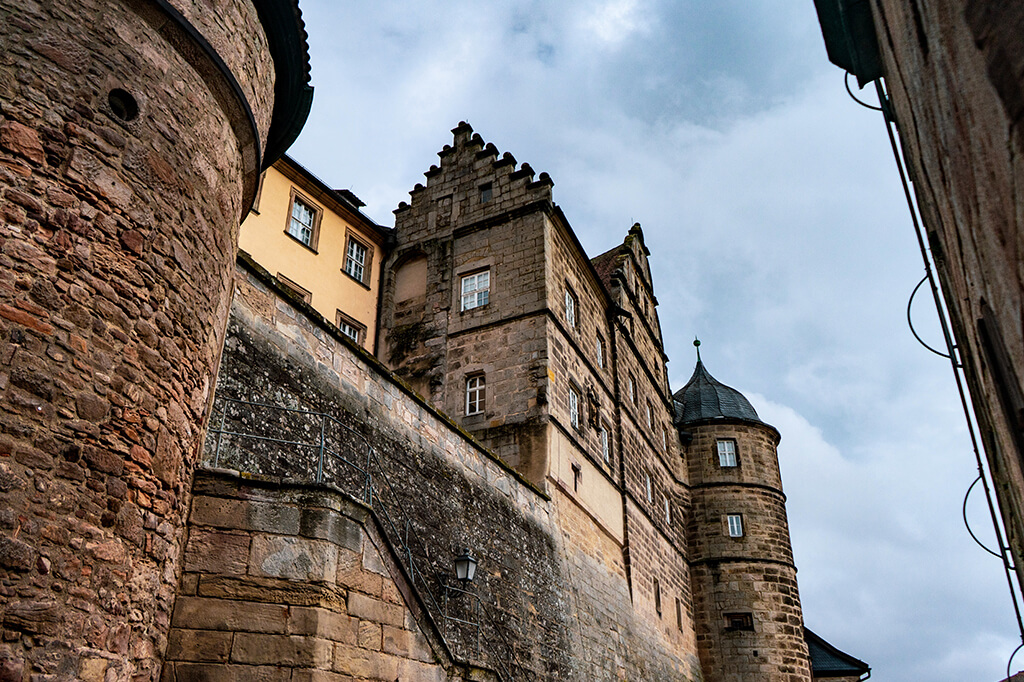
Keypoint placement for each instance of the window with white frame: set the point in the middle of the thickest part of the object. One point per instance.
(600, 352)
(302, 223)
(650, 415)
(350, 327)
(735, 522)
(572, 305)
(632, 389)
(574, 407)
(606, 445)
(668, 510)
(726, 453)
(476, 289)
(476, 393)
(355, 260)
(650, 489)
(664, 438)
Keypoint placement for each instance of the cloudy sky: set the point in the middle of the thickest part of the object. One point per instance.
(771, 205)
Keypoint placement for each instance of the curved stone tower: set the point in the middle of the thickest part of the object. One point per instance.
(746, 605)
(132, 134)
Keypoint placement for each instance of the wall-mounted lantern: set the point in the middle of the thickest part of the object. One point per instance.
(465, 566)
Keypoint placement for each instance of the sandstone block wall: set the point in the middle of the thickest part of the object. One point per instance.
(294, 583)
(117, 232)
(753, 574)
(553, 580)
(953, 70)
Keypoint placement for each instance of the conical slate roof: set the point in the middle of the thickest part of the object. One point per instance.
(704, 397)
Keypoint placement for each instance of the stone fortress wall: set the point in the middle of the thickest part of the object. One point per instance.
(130, 145)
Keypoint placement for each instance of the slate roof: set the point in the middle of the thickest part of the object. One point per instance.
(828, 661)
(704, 397)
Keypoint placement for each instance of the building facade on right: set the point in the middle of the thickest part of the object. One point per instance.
(953, 76)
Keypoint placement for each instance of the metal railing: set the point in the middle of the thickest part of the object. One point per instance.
(342, 457)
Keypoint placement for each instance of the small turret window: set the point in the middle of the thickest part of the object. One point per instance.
(739, 621)
(657, 597)
(727, 453)
(735, 522)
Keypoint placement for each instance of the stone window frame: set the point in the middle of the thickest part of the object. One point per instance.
(318, 213)
(572, 308)
(358, 330)
(601, 351)
(486, 192)
(664, 438)
(575, 407)
(305, 294)
(650, 415)
(719, 453)
(734, 525)
(668, 509)
(476, 394)
(463, 277)
(650, 488)
(657, 597)
(679, 614)
(577, 476)
(738, 621)
(367, 265)
(632, 388)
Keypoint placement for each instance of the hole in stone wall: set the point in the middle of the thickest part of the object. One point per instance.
(123, 104)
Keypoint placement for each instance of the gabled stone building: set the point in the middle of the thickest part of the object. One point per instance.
(555, 361)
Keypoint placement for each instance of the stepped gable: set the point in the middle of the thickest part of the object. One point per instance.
(704, 397)
(510, 186)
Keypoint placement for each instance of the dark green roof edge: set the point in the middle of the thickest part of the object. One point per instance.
(293, 95)
(831, 662)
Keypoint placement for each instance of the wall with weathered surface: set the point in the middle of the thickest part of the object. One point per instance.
(554, 580)
(116, 250)
(953, 70)
(290, 582)
(752, 574)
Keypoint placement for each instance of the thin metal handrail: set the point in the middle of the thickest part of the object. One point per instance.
(404, 533)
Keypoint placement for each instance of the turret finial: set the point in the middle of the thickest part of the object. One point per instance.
(696, 344)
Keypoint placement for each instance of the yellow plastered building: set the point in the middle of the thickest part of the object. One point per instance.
(317, 243)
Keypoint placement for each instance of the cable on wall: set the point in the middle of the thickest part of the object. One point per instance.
(957, 365)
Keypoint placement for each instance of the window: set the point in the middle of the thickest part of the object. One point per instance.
(486, 193)
(600, 352)
(577, 476)
(476, 290)
(632, 389)
(606, 445)
(679, 614)
(572, 305)
(304, 294)
(476, 391)
(357, 265)
(739, 621)
(735, 522)
(664, 438)
(350, 327)
(650, 415)
(650, 490)
(668, 510)
(726, 453)
(574, 407)
(657, 597)
(304, 221)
